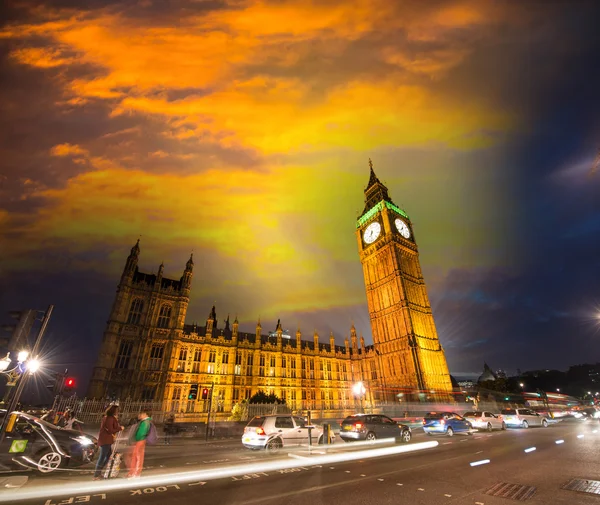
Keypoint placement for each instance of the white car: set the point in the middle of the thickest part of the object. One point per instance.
(523, 418)
(484, 420)
(277, 431)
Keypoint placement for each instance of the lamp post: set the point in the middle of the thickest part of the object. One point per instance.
(28, 368)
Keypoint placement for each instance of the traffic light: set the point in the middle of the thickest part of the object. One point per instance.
(193, 394)
(18, 340)
(69, 384)
(205, 394)
(57, 383)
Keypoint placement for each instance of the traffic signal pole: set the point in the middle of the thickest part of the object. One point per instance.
(25, 375)
(210, 395)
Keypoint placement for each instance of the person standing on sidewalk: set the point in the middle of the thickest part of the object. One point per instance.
(169, 428)
(109, 427)
(138, 439)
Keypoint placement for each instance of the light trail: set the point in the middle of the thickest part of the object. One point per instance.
(482, 462)
(531, 449)
(82, 488)
(560, 441)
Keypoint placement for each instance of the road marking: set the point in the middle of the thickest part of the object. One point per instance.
(464, 440)
(448, 495)
(362, 475)
(482, 462)
(446, 443)
(347, 471)
(380, 480)
(561, 441)
(478, 452)
(331, 467)
(530, 449)
(398, 484)
(420, 489)
(197, 483)
(479, 503)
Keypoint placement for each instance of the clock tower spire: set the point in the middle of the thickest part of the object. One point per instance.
(402, 324)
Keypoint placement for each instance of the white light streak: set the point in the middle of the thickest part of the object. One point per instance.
(482, 462)
(561, 441)
(579, 436)
(81, 488)
(530, 449)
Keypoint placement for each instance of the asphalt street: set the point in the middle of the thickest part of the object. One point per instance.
(458, 470)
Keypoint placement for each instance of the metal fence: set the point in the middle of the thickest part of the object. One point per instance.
(90, 411)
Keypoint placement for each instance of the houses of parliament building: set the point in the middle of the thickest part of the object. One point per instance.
(149, 353)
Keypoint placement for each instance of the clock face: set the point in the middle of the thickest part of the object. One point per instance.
(372, 232)
(402, 228)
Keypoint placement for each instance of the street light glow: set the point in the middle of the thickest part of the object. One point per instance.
(358, 389)
(521, 384)
(33, 365)
(22, 356)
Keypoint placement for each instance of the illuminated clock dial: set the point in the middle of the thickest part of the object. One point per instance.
(402, 228)
(372, 232)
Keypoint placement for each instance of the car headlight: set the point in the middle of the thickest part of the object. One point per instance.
(85, 441)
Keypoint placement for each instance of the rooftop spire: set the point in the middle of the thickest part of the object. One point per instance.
(190, 263)
(135, 250)
(372, 177)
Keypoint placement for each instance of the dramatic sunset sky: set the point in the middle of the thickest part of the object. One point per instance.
(241, 130)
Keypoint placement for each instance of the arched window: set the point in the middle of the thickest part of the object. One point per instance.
(164, 316)
(135, 311)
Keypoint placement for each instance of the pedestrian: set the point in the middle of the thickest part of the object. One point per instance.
(169, 428)
(139, 434)
(107, 436)
(49, 416)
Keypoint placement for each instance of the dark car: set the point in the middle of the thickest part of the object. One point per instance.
(35, 444)
(373, 426)
(446, 423)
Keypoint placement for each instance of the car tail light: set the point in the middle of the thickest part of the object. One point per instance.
(260, 431)
(358, 426)
(424, 421)
(442, 421)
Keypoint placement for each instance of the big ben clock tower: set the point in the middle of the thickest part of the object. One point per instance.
(404, 333)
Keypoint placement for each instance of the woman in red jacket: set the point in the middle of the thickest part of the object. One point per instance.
(106, 437)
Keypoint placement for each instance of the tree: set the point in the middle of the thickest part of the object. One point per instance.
(239, 411)
(262, 397)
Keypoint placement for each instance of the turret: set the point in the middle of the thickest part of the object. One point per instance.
(159, 275)
(131, 263)
(279, 331)
(353, 338)
(331, 342)
(298, 338)
(210, 322)
(234, 333)
(347, 345)
(186, 280)
(257, 342)
(316, 340)
(362, 343)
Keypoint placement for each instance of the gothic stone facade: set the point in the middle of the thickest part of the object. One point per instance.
(149, 353)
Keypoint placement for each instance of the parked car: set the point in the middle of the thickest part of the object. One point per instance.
(282, 430)
(523, 418)
(446, 423)
(373, 426)
(38, 445)
(484, 420)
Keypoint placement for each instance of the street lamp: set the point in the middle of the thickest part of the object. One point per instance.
(22, 356)
(521, 384)
(558, 390)
(33, 365)
(5, 363)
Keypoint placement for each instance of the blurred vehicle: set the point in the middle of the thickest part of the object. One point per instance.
(587, 414)
(276, 431)
(373, 426)
(485, 420)
(35, 444)
(446, 423)
(523, 418)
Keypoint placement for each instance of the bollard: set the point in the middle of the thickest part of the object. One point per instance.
(327, 434)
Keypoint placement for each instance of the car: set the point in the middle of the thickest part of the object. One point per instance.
(373, 426)
(31, 443)
(273, 432)
(485, 420)
(446, 423)
(587, 414)
(523, 418)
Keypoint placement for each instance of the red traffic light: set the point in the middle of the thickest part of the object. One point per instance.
(205, 393)
(70, 382)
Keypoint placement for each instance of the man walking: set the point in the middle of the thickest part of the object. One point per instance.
(138, 440)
